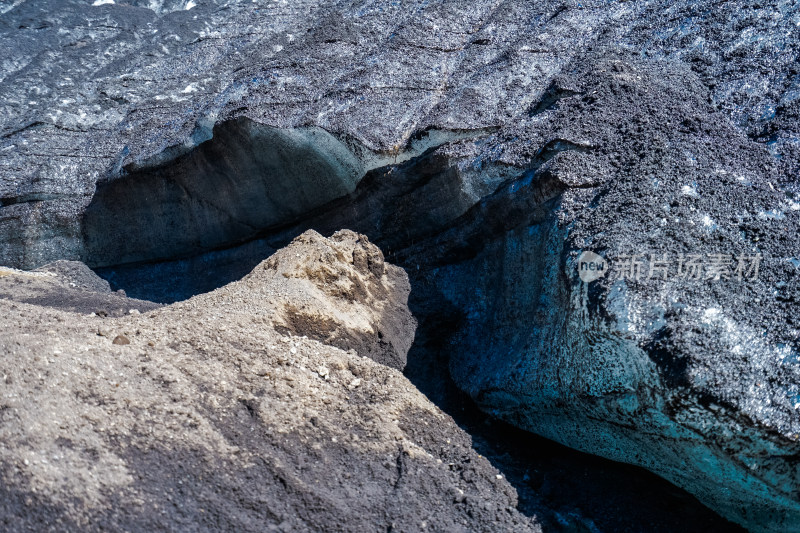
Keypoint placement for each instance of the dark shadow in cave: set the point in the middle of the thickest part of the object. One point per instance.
(224, 192)
(166, 232)
(565, 489)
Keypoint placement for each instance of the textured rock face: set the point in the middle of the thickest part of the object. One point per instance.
(695, 379)
(341, 292)
(201, 416)
(517, 135)
(91, 90)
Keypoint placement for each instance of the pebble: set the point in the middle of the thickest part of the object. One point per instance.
(457, 494)
(121, 339)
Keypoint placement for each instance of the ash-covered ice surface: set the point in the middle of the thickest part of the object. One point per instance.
(173, 146)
